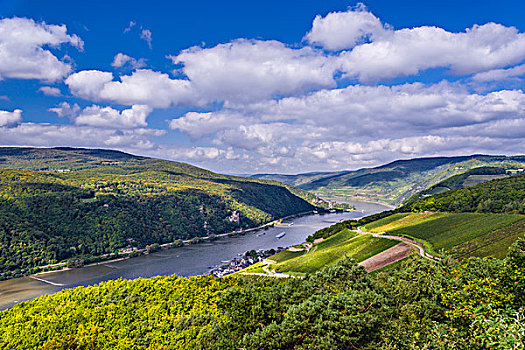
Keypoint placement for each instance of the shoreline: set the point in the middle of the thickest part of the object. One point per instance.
(115, 257)
(127, 255)
(348, 201)
(26, 288)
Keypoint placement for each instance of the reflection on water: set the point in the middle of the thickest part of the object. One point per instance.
(184, 261)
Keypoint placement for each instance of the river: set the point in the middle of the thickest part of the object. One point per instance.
(189, 260)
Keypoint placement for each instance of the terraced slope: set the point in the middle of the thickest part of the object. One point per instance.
(471, 177)
(343, 244)
(458, 234)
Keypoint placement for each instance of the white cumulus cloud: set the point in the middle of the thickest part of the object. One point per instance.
(247, 70)
(50, 91)
(407, 52)
(23, 52)
(10, 118)
(105, 117)
(344, 30)
(111, 118)
(142, 87)
(121, 60)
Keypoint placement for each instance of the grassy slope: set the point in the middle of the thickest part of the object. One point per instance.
(460, 234)
(329, 251)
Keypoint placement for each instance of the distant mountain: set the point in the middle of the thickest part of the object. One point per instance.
(64, 203)
(394, 182)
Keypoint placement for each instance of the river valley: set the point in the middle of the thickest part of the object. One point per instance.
(189, 260)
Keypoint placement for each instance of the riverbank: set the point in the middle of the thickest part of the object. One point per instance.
(188, 260)
(131, 253)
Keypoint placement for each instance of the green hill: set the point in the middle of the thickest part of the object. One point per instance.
(487, 219)
(79, 204)
(470, 177)
(394, 182)
(505, 195)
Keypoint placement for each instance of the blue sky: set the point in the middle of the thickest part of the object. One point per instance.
(273, 86)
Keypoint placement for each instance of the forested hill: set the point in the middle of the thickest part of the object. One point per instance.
(394, 182)
(470, 177)
(59, 204)
(497, 196)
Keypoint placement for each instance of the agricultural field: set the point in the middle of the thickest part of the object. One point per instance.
(329, 251)
(459, 234)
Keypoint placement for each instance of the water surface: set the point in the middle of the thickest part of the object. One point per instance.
(189, 260)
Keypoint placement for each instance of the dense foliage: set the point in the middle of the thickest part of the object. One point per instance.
(497, 196)
(477, 304)
(109, 200)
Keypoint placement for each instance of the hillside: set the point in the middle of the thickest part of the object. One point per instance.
(486, 219)
(470, 177)
(79, 204)
(458, 235)
(505, 195)
(299, 261)
(394, 182)
(416, 305)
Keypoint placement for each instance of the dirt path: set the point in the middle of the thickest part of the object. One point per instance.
(419, 246)
(268, 272)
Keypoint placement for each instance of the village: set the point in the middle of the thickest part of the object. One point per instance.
(248, 258)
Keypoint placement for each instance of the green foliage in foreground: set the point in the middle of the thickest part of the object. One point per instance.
(477, 304)
(88, 203)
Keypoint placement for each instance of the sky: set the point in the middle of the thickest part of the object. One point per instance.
(244, 87)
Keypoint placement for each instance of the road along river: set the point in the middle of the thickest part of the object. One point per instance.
(189, 260)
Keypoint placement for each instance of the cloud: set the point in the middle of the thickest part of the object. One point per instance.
(10, 118)
(145, 34)
(111, 118)
(50, 91)
(104, 117)
(47, 135)
(142, 87)
(407, 52)
(88, 83)
(129, 27)
(344, 30)
(64, 109)
(247, 70)
(122, 59)
(197, 125)
(500, 74)
(22, 49)
(382, 122)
